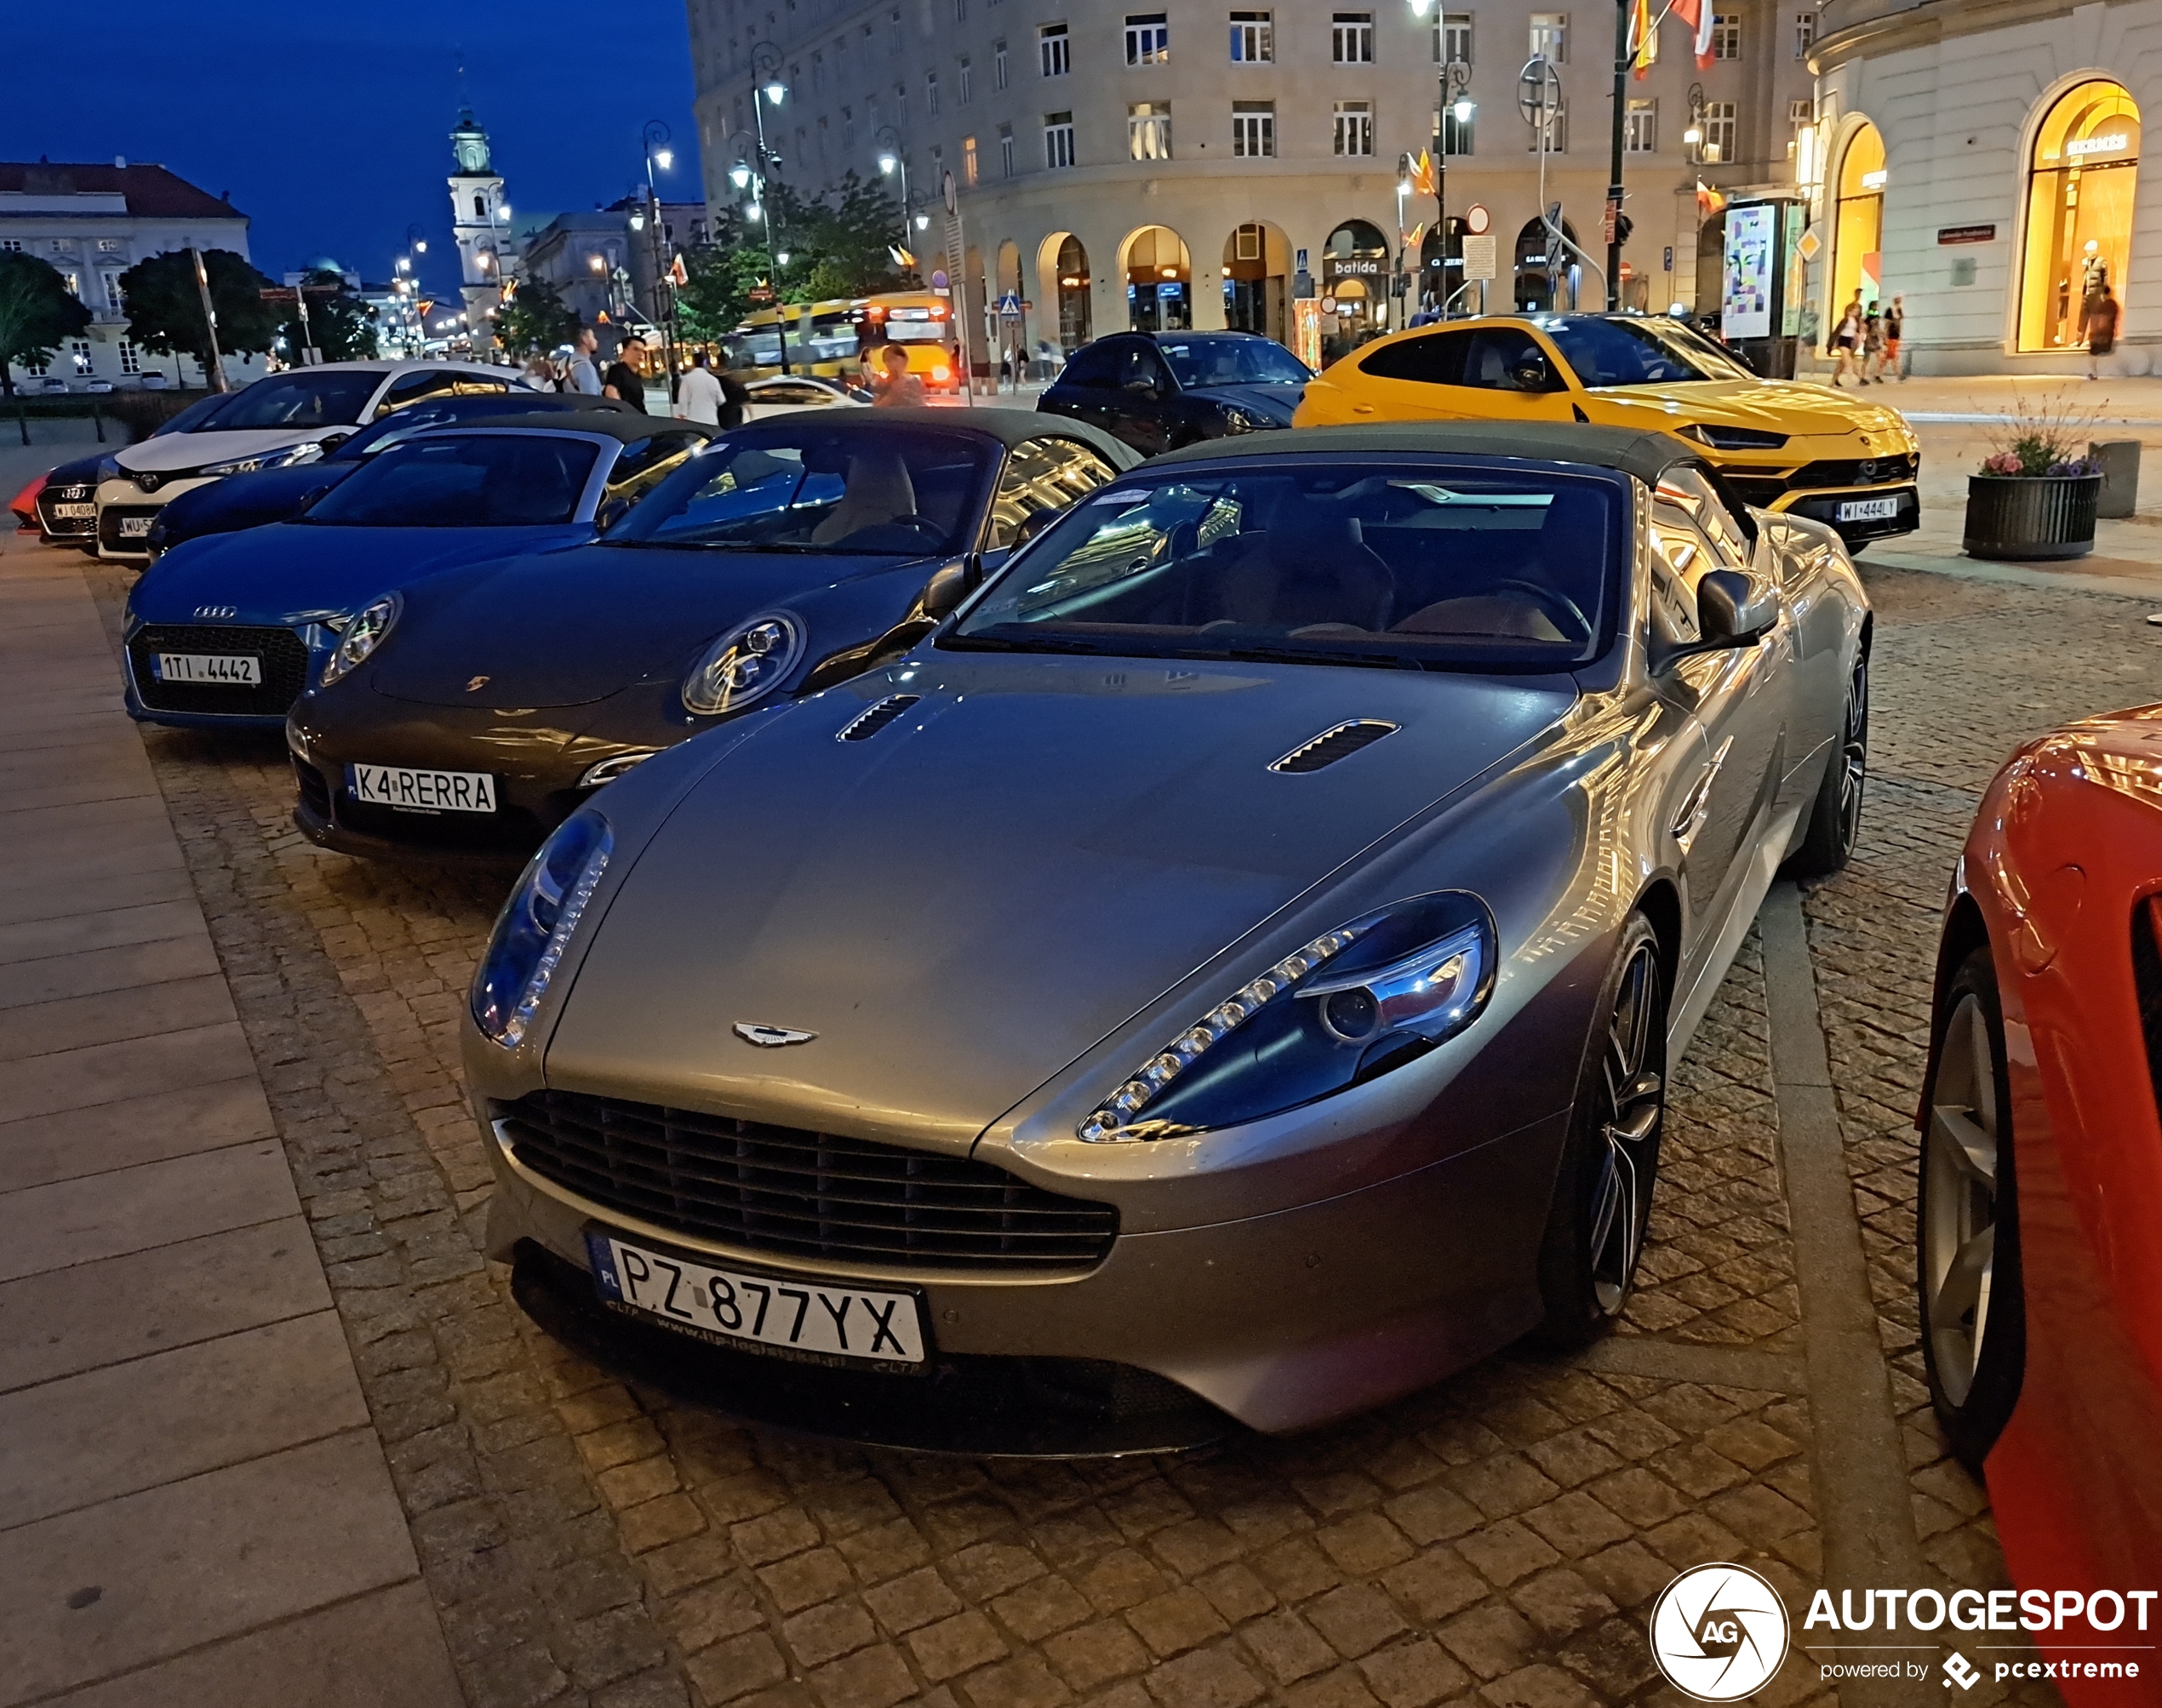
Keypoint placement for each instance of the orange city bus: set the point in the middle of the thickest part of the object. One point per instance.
(920, 322)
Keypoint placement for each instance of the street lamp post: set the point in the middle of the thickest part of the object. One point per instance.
(765, 75)
(1454, 78)
(657, 153)
(893, 157)
(1615, 229)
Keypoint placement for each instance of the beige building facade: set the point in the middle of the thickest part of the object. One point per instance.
(1982, 161)
(1166, 162)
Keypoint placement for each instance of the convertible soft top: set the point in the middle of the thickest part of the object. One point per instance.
(1643, 455)
(1009, 427)
(627, 425)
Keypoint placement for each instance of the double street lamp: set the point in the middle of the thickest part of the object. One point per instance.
(893, 158)
(765, 70)
(656, 138)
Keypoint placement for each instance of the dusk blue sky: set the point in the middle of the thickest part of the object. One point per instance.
(330, 126)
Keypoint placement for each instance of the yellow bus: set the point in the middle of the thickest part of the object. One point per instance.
(920, 322)
(822, 339)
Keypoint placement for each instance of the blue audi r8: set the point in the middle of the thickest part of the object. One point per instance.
(224, 632)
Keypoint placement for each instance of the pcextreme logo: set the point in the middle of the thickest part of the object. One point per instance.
(1719, 1632)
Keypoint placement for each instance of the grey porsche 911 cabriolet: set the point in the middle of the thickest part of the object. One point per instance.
(1225, 976)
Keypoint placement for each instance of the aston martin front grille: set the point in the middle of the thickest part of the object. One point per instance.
(285, 668)
(1332, 745)
(796, 1193)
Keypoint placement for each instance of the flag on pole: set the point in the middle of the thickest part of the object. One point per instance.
(1708, 200)
(678, 275)
(1697, 15)
(1644, 39)
(1422, 175)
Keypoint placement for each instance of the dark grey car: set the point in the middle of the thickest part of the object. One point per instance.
(1229, 972)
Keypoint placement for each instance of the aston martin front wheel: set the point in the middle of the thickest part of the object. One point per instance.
(1602, 1202)
(1973, 1306)
(1835, 817)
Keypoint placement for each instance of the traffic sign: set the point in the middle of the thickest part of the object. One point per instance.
(939, 280)
(1009, 306)
(1481, 261)
(1476, 221)
(951, 195)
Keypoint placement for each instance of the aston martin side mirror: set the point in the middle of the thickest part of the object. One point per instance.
(943, 593)
(611, 512)
(1734, 609)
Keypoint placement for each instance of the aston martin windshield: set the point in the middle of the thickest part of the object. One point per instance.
(1636, 352)
(294, 400)
(797, 486)
(1405, 564)
(1231, 360)
(468, 480)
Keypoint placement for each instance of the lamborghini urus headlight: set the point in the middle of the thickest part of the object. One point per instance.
(1354, 1003)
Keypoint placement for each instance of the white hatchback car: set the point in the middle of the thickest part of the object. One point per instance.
(274, 423)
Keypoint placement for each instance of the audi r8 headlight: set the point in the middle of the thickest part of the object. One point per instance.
(1243, 420)
(745, 665)
(535, 926)
(1354, 1003)
(361, 634)
(289, 458)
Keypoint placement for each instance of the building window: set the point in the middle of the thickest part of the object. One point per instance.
(1253, 38)
(12, 246)
(901, 106)
(1148, 130)
(1253, 129)
(1058, 139)
(79, 349)
(966, 77)
(1719, 131)
(847, 127)
(817, 72)
(110, 246)
(131, 359)
(961, 14)
(115, 298)
(1640, 128)
(1052, 50)
(893, 23)
(1801, 111)
(1555, 131)
(1550, 36)
(1006, 151)
(969, 161)
(1354, 127)
(1148, 38)
(822, 155)
(2082, 181)
(40, 367)
(1804, 33)
(480, 207)
(1453, 39)
(73, 281)
(999, 64)
(931, 93)
(1726, 35)
(1350, 38)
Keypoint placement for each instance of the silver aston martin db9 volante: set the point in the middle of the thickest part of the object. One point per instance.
(1227, 974)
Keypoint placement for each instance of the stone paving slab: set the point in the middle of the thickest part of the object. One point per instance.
(131, 1131)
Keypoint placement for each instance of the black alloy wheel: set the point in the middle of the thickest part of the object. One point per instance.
(1602, 1203)
(1835, 816)
(1973, 1305)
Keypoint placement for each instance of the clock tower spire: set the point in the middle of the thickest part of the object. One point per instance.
(481, 224)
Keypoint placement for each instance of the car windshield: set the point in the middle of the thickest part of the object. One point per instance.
(468, 480)
(801, 484)
(1636, 352)
(436, 412)
(317, 399)
(1231, 361)
(1418, 563)
(189, 418)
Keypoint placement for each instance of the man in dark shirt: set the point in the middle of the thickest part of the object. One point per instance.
(622, 380)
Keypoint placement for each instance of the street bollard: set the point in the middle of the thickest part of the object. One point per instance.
(2119, 459)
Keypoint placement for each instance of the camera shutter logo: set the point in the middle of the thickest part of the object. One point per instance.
(1719, 1632)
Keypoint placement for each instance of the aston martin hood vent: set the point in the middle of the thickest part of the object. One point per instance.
(1332, 745)
(872, 718)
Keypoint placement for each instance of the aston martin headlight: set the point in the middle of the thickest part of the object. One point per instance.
(1354, 1003)
(290, 457)
(536, 924)
(745, 665)
(364, 631)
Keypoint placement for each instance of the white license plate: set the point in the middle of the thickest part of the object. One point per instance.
(835, 1319)
(134, 526)
(422, 790)
(74, 512)
(1869, 510)
(230, 670)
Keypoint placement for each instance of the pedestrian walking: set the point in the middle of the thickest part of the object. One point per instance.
(2101, 330)
(540, 375)
(623, 381)
(1846, 337)
(1873, 346)
(702, 396)
(1894, 331)
(581, 376)
(900, 386)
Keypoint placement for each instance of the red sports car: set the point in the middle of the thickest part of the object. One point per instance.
(2040, 1218)
(24, 505)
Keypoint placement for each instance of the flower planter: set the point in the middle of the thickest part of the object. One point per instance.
(2020, 517)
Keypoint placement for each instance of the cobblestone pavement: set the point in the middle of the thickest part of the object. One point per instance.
(1496, 1540)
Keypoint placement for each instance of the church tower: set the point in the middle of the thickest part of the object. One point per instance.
(480, 224)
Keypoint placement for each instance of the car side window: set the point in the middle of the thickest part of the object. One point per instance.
(1097, 367)
(1497, 353)
(1141, 369)
(466, 386)
(1681, 555)
(1042, 474)
(411, 388)
(1436, 359)
(642, 463)
(1687, 487)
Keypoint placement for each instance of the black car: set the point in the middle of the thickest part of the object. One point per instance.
(467, 713)
(251, 500)
(67, 504)
(1159, 391)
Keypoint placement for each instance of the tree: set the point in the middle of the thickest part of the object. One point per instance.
(339, 324)
(535, 318)
(165, 312)
(836, 243)
(37, 313)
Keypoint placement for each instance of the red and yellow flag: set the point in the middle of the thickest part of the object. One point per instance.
(1422, 175)
(1643, 38)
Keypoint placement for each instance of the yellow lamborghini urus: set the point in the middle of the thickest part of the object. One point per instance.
(1782, 444)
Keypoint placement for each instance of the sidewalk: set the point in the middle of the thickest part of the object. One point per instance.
(193, 1504)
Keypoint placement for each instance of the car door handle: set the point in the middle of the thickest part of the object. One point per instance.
(1697, 807)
